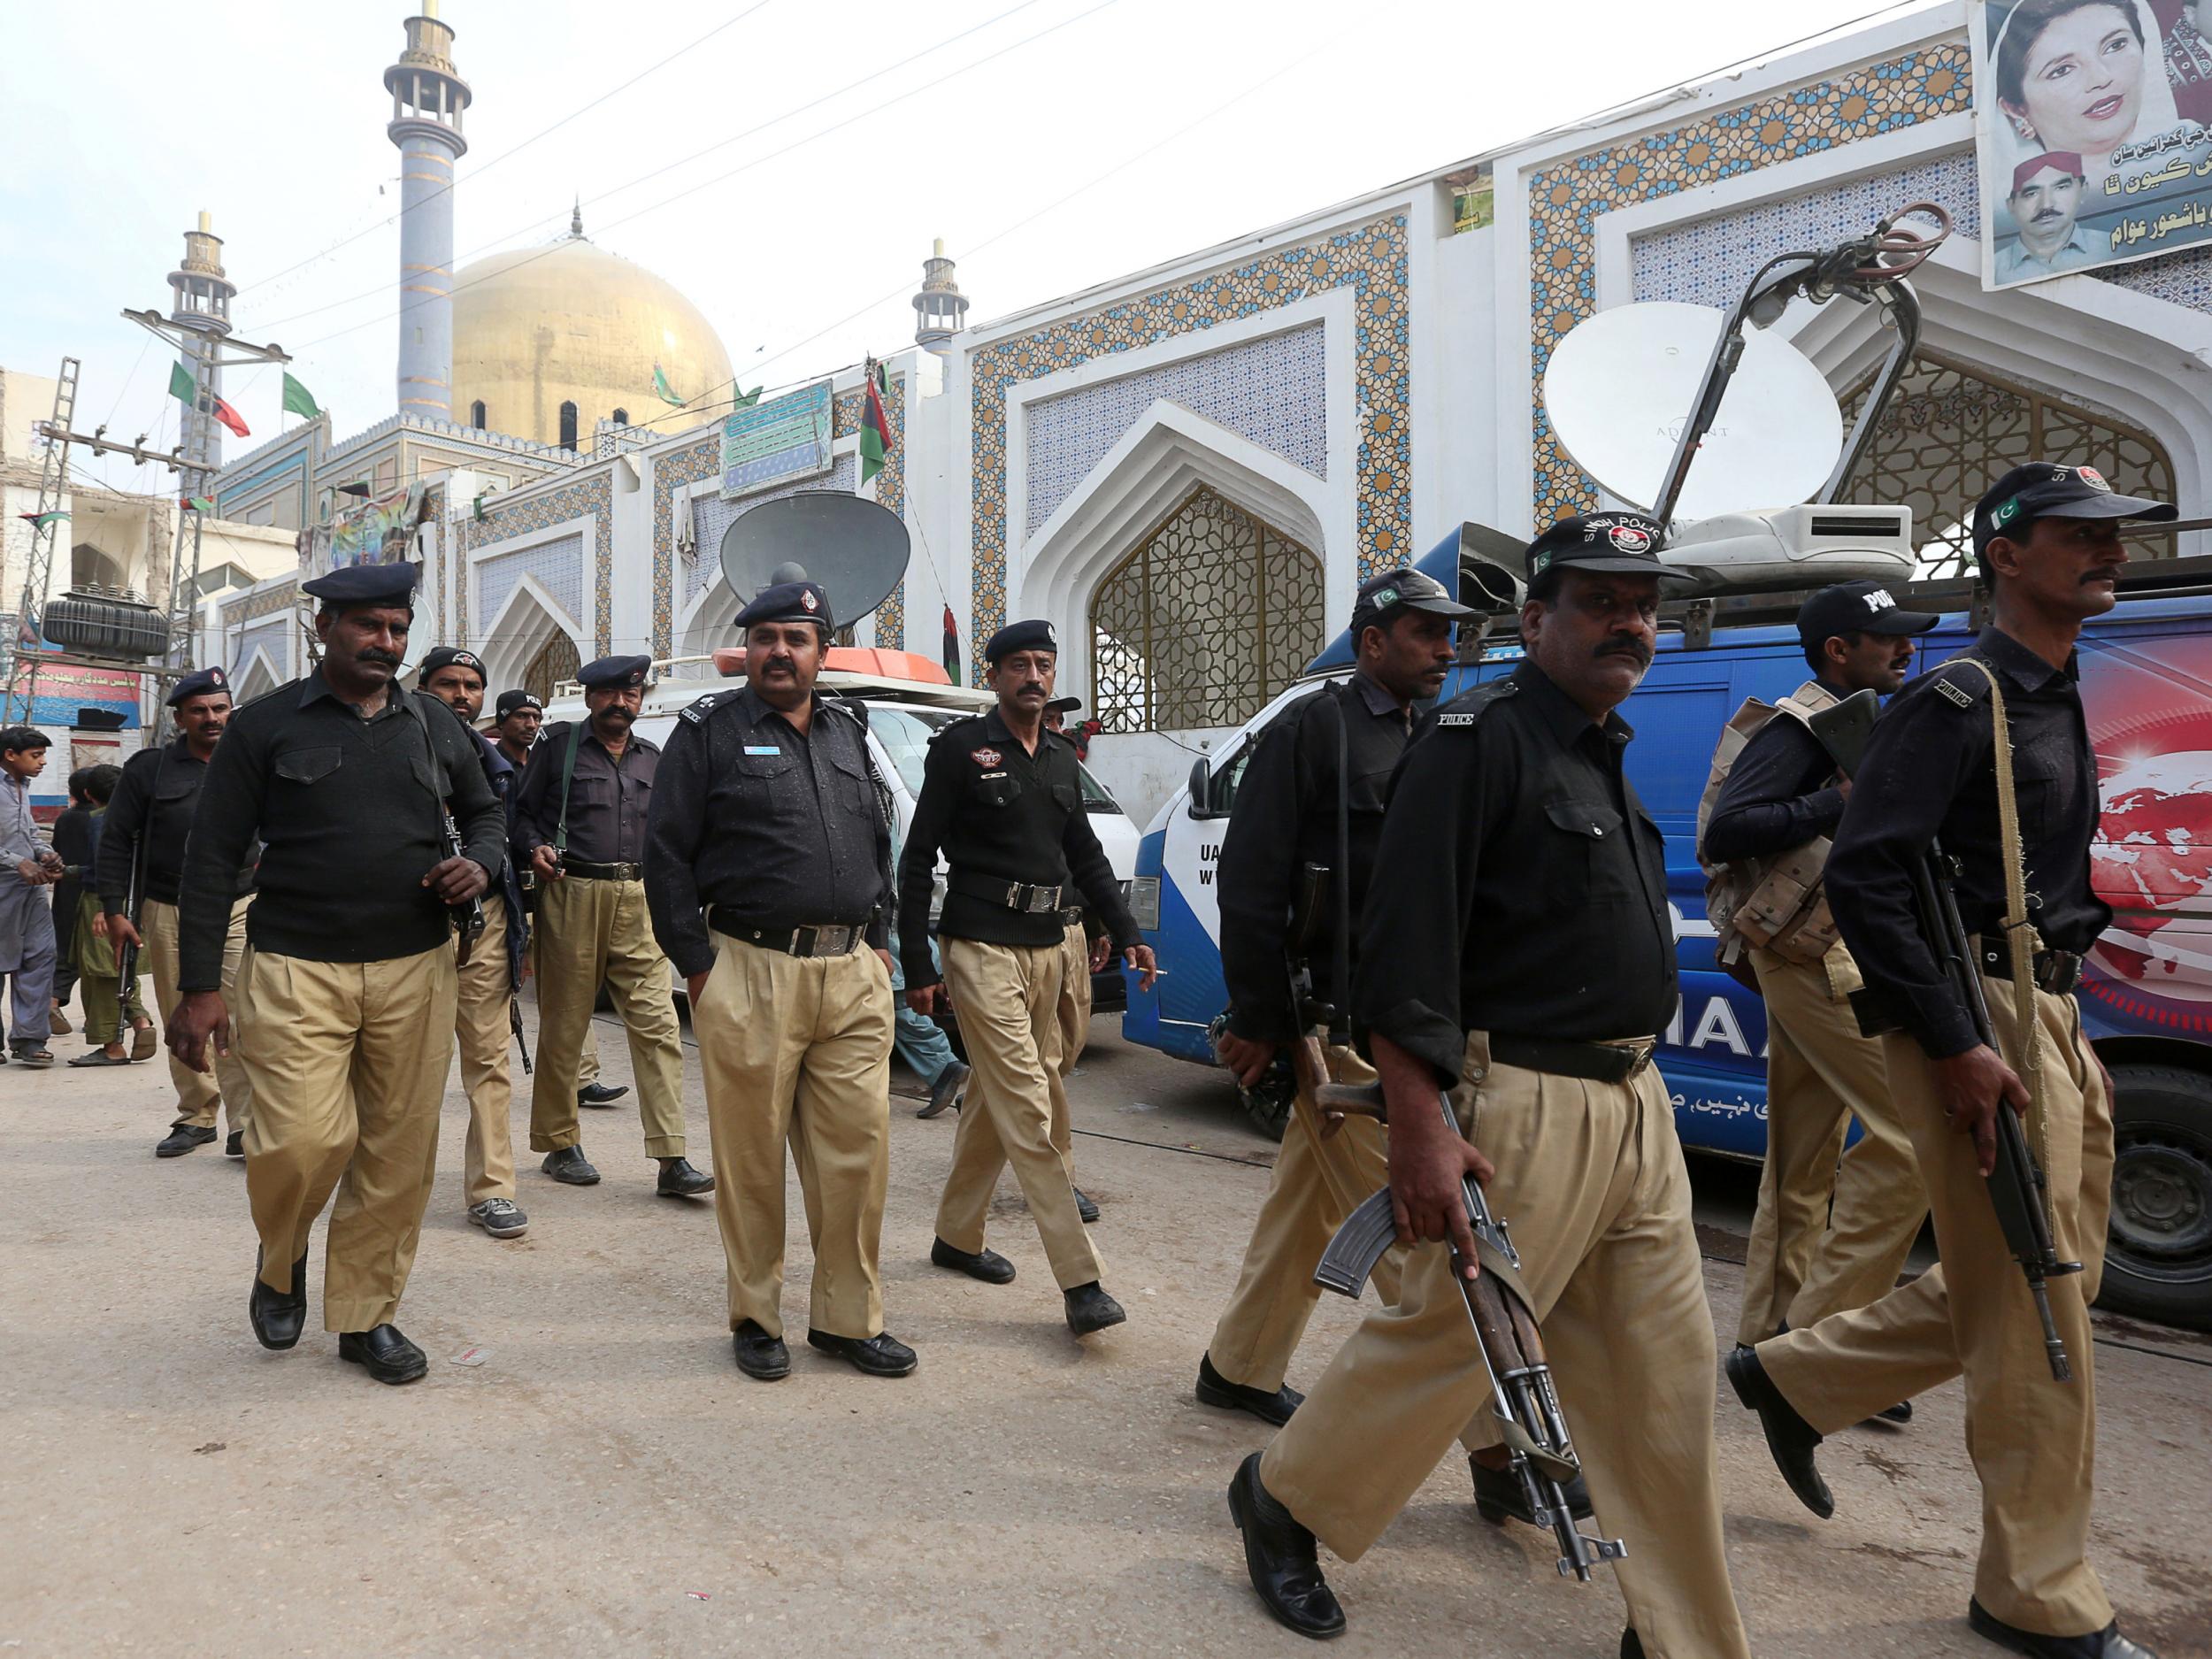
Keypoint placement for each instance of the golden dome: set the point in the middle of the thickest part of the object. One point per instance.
(540, 327)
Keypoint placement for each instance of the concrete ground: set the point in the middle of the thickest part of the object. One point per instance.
(605, 1482)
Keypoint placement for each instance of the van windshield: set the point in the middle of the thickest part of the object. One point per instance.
(905, 733)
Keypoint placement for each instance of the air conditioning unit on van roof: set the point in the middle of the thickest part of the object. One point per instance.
(1793, 546)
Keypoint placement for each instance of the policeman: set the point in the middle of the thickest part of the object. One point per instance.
(770, 868)
(489, 980)
(580, 823)
(1337, 747)
(347, 985)
(144, 836)
(2046, 538)
(515, 728)
(1516, 942)
(1824, 1237)
(1001, 796)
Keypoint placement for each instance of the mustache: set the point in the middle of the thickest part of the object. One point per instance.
(2108, 574)
(2046, 216)
(1032, 688)
(377, 654)
(616, 711)
(1634, 649)
(775, 663)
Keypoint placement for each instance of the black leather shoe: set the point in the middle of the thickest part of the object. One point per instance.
(181, 1139)
(1499, 1497)
(1901, 1412)
(947, 1091)
(1279, 1555)
(759, 1356)
(1090, 1308)
(277, 1316)
(679, 1180)
(570, 1166)
(1084, 1208)
(601, 1093)
(384, 1354)
(235, 1144)
(1790, 1439)
(1632, 1644)
(987, 1265)
(881, 1355)
(1214, 1389)
(2099, 1644)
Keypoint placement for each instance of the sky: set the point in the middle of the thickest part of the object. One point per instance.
(1053, 144)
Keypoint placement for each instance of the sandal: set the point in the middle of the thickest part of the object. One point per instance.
(143, 1042)
(100, 1057)
(38, 1059)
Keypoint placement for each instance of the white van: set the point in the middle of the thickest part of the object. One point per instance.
(902, 716)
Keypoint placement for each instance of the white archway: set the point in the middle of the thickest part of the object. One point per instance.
(526, 622)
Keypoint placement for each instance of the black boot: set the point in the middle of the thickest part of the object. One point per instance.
(181, 1139)
(570, 1166)
(987, 1265)
(1281, 1555)
(1790, 1439)
(1214, 1389)
(759, 1356)
(2098, 1644)
(1090, 1308)
(277, 1316)
(679, 1180)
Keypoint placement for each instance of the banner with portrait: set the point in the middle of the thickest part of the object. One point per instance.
(2094, 123)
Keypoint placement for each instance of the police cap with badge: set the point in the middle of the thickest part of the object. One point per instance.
(200, 682)
(382, 584)
(789, 602)
(1602, 543)
(615, 673)
(2043, 490)
(450, 657)
(1857, 608)
(509, 701)
(1020, 636)
(1383, 599)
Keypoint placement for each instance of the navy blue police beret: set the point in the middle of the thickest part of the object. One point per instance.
(788, 601)
(450, 657)
(1021, 636)
(391, 584)
(614, 672)
(199, 683)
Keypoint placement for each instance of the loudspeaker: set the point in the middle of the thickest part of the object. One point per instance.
(855, 548)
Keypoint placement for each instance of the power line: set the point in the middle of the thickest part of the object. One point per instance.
(484, 167)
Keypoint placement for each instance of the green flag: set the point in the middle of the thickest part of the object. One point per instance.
(181, 385)
(298, 401)
(199, 503)
(875, 424)
(663, 390)
(40, 520)
(746, 400)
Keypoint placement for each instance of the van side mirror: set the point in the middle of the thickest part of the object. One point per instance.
(1201, 781)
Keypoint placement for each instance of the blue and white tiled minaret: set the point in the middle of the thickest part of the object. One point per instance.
(428, 99)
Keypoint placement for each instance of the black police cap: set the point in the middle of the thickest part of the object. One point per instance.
(510, 701)
(385, 583)
(2045, 489)
(198, 683)
(789, 602)
(1618, 544)
(1857, 608)
(450, 657)
(614, 672)
(1020, 636)
(1382, 599)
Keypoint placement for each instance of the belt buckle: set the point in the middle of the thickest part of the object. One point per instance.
(833, 941)
(1641, 1053)
(1042, 899)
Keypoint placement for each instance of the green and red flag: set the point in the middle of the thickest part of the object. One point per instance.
(198, 503)
(40, 520)
(298, 401)
(875, 424)
(186, 391)
(952, 646)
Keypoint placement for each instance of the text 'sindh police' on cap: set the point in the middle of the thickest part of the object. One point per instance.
(2045, 489)
(1858, 608)
(1617, 543)
(510, 700)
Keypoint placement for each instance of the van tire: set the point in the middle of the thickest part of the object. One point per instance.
(2158, 1252)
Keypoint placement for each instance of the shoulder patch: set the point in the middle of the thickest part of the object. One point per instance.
(1956, 694)
(1963, 682)
(1467, 709)
(699, 708)
(854, 711)
(1458, 719)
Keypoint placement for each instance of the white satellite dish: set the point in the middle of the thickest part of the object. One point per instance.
(1623, 384)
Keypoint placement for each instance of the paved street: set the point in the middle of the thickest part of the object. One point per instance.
(606, 1482)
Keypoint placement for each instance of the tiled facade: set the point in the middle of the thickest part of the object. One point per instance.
(711, 517)
(505, 516)
(557, 566)
(1371, 260)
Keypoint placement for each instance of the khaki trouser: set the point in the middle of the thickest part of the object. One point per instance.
(483, 1036)
(588, 931)
(1075, 1010)
(588, 1062)
(1591, 1181)
(348, 1061)
(2032, 1440)
(1008, 999)
(799, 1049)
(1826, 1238)
(198, 1092)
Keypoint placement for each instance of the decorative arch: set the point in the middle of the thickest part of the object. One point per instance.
(477, 415)
(530, 636)
(257, 678)
(88, 566)
(1211, 614)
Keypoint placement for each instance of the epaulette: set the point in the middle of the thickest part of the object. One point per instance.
(850, 708)
(955, 733)
(1468, 707)
(699, 708)
(1961, 686)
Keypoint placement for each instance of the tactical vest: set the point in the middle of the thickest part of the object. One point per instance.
(1776, 903)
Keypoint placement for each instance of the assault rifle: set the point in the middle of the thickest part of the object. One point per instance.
(2016, 1186)
(1522, 1397)
(1307, 1058)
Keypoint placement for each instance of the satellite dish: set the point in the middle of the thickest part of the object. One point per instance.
(1623, 384)
(857, 549)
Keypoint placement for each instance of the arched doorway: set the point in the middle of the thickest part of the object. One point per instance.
(1953, 429)
(555, 661)
(1211, 615)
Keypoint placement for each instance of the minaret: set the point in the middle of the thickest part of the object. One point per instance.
(428, 99)
(940, 309)
(200, 297)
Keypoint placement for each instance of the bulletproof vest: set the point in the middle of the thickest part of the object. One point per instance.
(1775, 901)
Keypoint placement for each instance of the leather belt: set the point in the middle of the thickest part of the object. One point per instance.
(2057, 971)
(591, 871)
(1014, 896)
(832, 939)
(1597, 1062)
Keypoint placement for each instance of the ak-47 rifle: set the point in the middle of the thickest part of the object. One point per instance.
(2016, 1186)
(468, 918)
(134, 894)
(1308, 1057)
(1522, 1397)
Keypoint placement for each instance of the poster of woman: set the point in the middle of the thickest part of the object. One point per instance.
(2093, 143)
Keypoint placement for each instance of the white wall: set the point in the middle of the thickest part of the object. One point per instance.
(1141, 769)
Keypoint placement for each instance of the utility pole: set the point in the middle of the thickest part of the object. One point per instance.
(53, 483)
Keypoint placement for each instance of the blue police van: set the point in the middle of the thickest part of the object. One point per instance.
(2147, 994)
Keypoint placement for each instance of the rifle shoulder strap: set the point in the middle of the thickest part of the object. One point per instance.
(2021, 941)
(568, 776)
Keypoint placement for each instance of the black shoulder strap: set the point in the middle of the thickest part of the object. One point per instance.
(568, 777)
